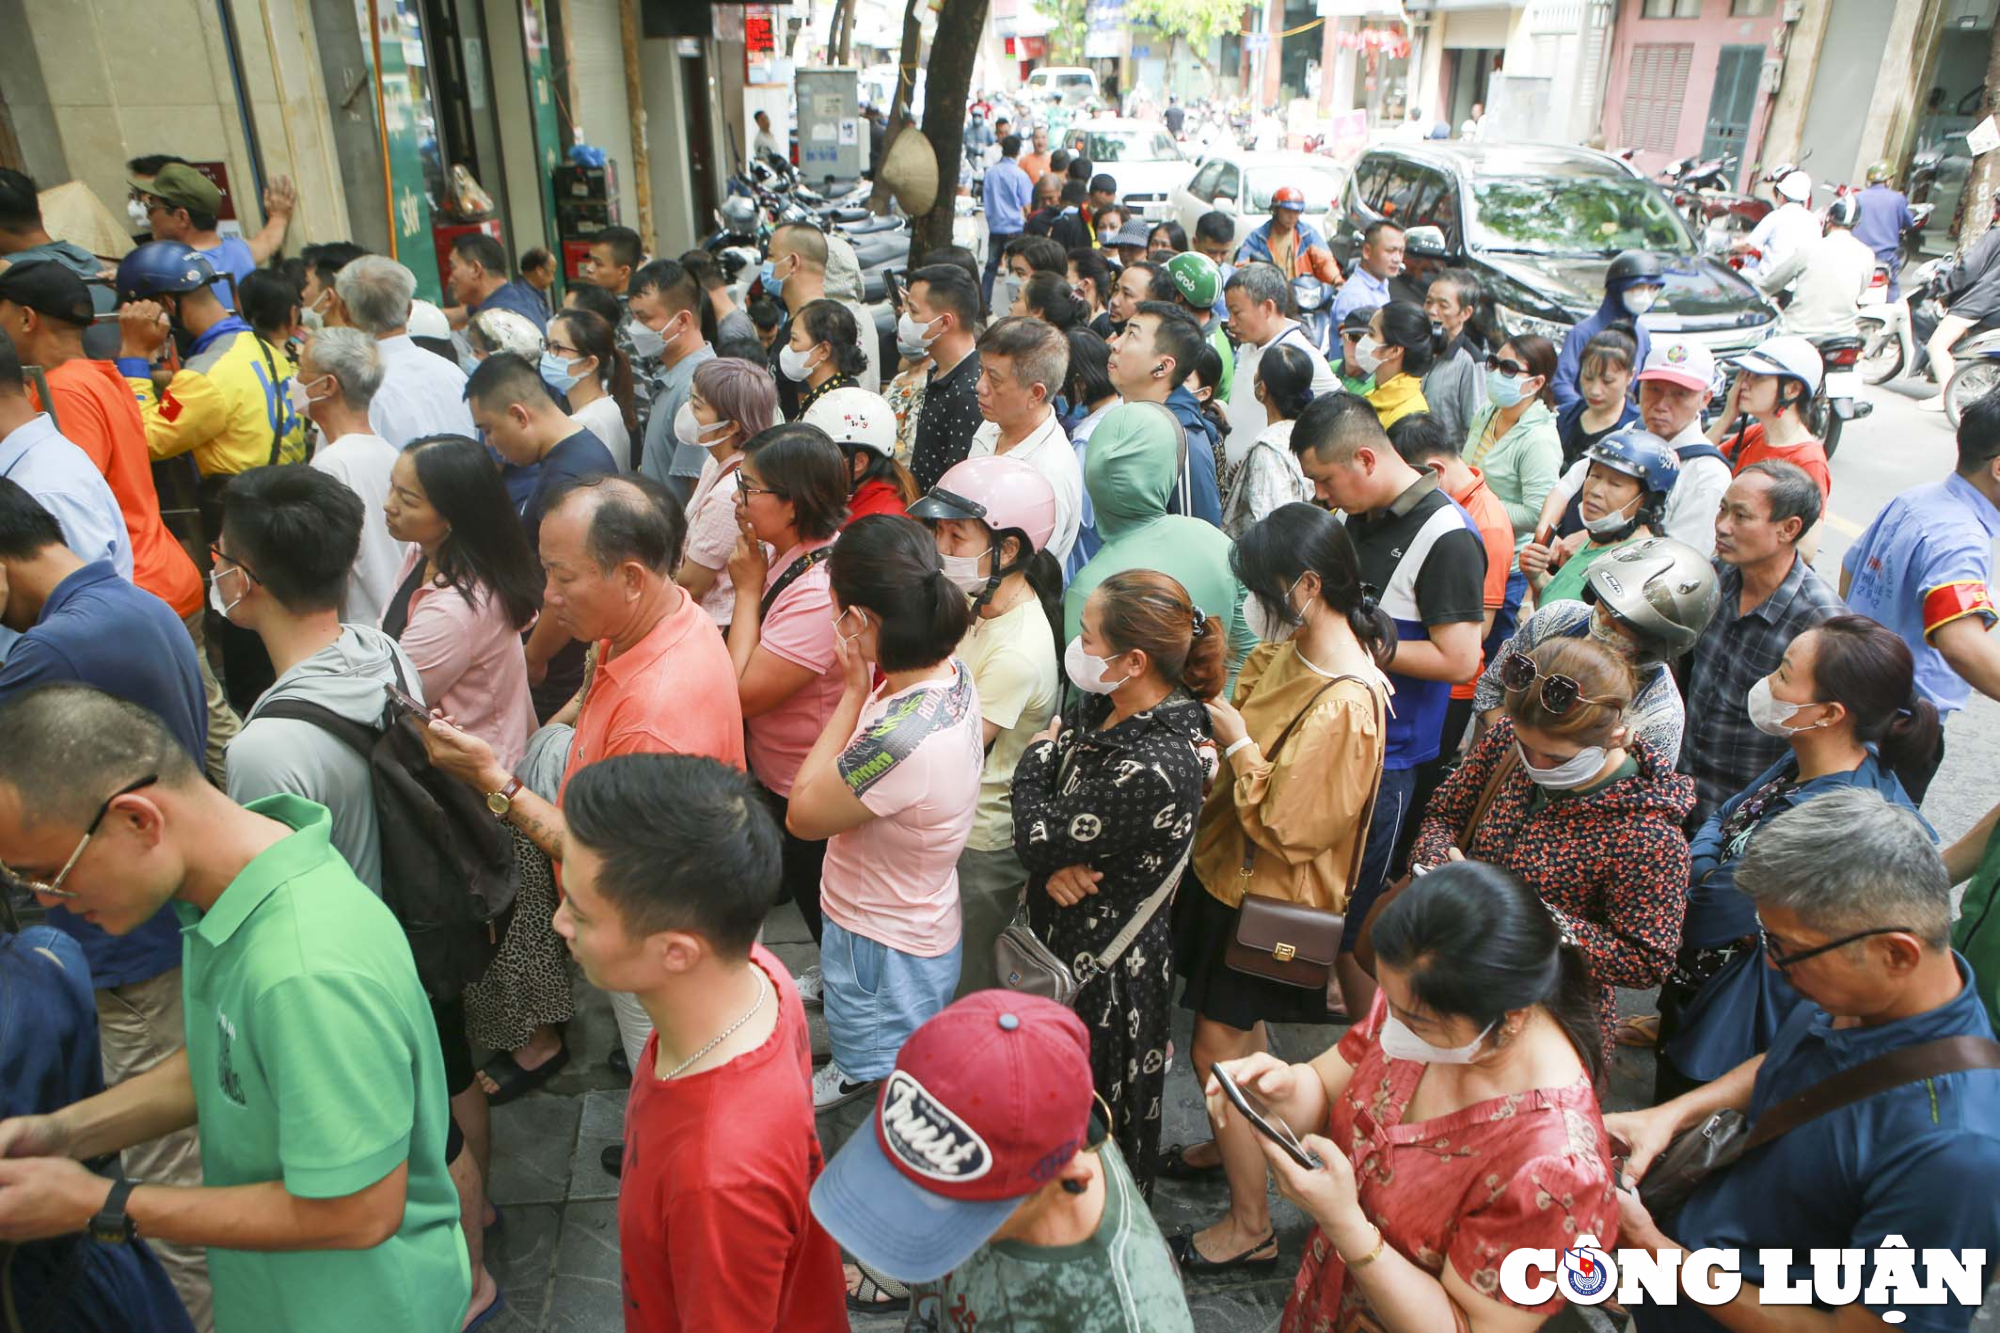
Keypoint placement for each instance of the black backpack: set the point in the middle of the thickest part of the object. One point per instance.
(448, 870)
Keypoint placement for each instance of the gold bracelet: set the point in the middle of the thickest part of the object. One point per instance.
(1356, 1265)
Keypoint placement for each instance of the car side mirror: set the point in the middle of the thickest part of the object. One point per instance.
(1427, 242)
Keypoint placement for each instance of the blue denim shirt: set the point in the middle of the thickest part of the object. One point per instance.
(1917, 1162)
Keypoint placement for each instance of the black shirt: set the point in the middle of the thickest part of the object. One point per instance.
(579, 454)
(788, 390)
(947, 422)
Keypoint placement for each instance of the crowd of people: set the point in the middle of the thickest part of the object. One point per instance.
(1108, 648)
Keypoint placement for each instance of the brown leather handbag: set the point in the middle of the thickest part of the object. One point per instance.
(1364, 944)
(1280, 940)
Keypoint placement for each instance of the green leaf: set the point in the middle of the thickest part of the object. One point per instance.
(1199, 22)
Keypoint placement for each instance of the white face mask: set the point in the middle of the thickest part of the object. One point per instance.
(297, 396)
(215, 598)
(689, 430)
(1638, 300)
(1367, 354)
(963, 571)
(1264, 623)
(1578, 769)
(793, 364)
(1609, 526)
(841, 619)
(1086, 672)
(1399, 1043)
(913, 338)
(1009, 288)
(1772, 715)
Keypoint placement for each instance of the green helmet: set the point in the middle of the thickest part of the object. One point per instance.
(1196, 277)
(1880, 171)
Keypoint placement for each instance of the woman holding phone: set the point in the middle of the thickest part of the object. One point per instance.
(1457, 1123)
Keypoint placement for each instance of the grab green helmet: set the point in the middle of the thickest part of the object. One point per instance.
(1880, 171)
(1196, 278)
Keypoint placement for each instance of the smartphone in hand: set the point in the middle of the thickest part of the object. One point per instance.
(405, 702)
(1264, 1122)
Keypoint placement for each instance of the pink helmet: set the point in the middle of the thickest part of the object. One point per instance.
(1003, 493)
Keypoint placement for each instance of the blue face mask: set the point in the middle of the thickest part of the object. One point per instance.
(773, 284)
(1503, 390)
(555, 373)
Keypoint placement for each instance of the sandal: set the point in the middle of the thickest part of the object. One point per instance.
(512, 1081)
(499, 1306)
(1174, 1164)
(1643, 1031)
(877, 1293)
(1193, 1261)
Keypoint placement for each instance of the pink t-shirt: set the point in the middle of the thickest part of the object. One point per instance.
(469, 656)
(799, 629)
(711, 534)
(914, 761)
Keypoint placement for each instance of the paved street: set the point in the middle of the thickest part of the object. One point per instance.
(557, 1257)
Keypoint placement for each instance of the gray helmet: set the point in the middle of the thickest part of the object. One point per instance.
(1844, 211)
(739, 215)
(1662, 590)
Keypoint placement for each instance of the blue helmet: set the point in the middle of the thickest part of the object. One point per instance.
(162, 268)
(1638, 453)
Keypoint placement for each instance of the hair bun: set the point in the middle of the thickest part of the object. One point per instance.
(1305, 396)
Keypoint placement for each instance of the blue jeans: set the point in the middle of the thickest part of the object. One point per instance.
(1392, 808)
(1508, 618)
(876, 996)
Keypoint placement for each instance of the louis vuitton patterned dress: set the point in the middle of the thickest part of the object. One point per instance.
(1122, 801)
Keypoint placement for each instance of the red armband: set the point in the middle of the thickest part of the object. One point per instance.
(170, 406)
(1955, 601)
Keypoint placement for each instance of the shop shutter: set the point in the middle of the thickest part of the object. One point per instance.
(1653, 90)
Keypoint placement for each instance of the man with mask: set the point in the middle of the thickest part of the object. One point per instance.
(339, 372)
(323, 264)
(940, 313)
(1631, 284)
(1650, 602)
(666, 302)
(794, 273)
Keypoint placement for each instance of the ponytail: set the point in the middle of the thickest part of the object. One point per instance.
(889, 565)
(1865, 667)
(1145, 609)
(1374, 627)
(620, 388)
(1910, 740)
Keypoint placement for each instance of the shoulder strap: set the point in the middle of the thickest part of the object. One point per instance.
(1123, 939)
(1505, 765)
(357, 736)
(1374, 792)
(793, 573)
(277, 390)
(1911, 1064)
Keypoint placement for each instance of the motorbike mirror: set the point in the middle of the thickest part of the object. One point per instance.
(1425, 241)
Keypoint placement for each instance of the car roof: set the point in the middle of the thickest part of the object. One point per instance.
(1509, 159)
(1287, 157)
(1116, 123)
(1059, 69)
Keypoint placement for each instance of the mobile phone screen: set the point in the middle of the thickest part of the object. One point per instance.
(1270, 1126)
(404, 701)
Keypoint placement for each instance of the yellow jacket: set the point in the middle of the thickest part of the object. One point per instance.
(226, 404)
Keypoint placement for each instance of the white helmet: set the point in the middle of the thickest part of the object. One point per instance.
(855, 419)
(1795, 186)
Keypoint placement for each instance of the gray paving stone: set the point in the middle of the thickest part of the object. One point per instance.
(534, 1140)
(522, 1258)
(601, 1125)
(587, 1296)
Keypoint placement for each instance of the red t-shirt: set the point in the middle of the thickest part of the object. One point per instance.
(1811, 455)
(714, 1230)
(97, 413)
(875, 497)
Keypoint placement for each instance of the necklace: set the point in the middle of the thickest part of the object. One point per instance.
(723, 1035)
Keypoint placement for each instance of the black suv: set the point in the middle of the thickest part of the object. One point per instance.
(1539, 224)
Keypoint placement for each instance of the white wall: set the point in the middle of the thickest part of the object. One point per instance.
(598, 75)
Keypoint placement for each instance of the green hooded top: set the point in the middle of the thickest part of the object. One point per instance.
(1131, 466)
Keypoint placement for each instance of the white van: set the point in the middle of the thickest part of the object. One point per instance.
(1069, 84)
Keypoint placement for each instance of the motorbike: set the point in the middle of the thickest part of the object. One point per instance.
(1839, 400)
(1893, 333)
(1976, 372)
(1717, 213)
(1315, 302)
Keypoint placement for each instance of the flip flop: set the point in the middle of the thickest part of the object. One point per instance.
(1641, 1030)
(1191, 1260)
(499, 1304)
(514, 1081)
(873, 1284)
(1174, 1164)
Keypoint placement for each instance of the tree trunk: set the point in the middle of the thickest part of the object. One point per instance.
(1976, 203)
(947, 83)
(833, 25)
(846, 34)
(899, 105)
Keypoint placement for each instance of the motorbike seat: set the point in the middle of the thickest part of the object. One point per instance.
(868, 223)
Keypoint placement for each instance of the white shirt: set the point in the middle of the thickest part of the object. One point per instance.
(1048, 449)
(765, 142)
(603, 419)
(1783, 230)
(1827, 277)
(1247, 417)
(363, 462)
(421, 394)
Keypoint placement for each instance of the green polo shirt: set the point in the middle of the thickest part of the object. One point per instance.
(315, 1063)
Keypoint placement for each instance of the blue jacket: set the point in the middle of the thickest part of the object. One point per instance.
(1718, 911)
(1570, 364)
(1204, 443)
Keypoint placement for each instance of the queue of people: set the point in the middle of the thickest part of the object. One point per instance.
(1124, 653)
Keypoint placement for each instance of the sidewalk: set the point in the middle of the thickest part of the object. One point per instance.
(556, 1257)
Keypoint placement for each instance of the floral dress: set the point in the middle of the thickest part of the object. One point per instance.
(1122, 801)
(1530, 1169)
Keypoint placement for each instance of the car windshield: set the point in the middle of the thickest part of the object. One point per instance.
(1574, 215)
(1102, 146)
(1321, 188)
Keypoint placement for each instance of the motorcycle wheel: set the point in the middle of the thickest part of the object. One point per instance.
(1972, 381)
(1881, 354)
(1824, 422)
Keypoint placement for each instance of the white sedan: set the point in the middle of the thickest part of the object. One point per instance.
(1141, 156)
(1243, 183)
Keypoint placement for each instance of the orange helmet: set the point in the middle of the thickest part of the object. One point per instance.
(1289, 196)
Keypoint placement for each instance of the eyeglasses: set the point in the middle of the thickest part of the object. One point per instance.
(217, 557)
(549, 345)
(54, 888)
(1559, 693)
(1786, 961)
(1511, 369)
(746, 489)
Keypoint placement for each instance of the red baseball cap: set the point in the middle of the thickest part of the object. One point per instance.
(987, 1102)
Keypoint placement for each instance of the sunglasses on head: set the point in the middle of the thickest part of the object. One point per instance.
(1559, 693)
(1511, 369)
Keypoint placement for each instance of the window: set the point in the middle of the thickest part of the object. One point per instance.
(1653, 89)
(1750, 9)
(1683, 9)
(1229, 185)
(1409, 192)
(1203, 185)
(1440, 210)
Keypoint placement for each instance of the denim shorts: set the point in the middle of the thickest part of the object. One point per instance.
(876, 996)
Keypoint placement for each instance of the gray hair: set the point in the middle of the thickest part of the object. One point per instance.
(1262, 282)
(353, 358)
(1849, 861)
(1792, 493)
(377, 292)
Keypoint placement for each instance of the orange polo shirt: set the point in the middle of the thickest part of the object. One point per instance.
(1496, 530)
(674, 692)
(98, 414)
